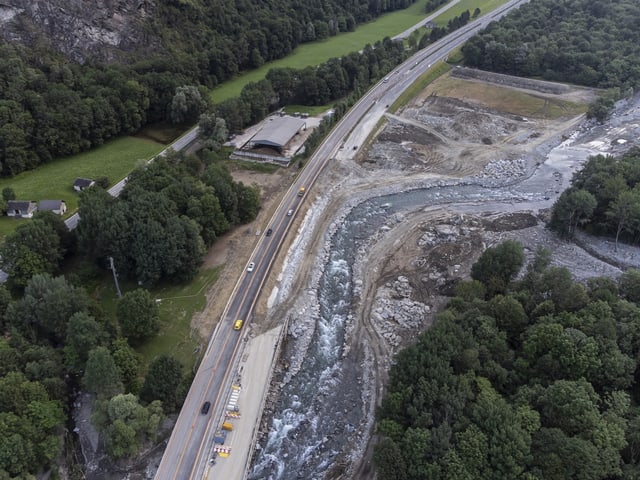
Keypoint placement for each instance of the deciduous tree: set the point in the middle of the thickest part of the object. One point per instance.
(497, 266)
(138, 315)
(101, 375)
(162, 382)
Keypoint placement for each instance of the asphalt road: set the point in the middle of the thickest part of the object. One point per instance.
(188, 448)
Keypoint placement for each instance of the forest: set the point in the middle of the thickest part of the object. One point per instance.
(586, 42)
(340, 80)
(604, 199)
(57, 339)
(522, 376)
(52, 107)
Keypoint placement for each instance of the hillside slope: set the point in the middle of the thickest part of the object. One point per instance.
(102, 30)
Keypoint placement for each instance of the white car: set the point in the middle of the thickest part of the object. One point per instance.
(250, 267)
(290, 212)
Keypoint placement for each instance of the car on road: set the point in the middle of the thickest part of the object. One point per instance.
(205, 408)
(269, 232)
(250, 267)
(386, 79)
(290, 212)
(238, 324)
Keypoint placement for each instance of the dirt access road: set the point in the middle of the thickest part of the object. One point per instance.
(480, 128)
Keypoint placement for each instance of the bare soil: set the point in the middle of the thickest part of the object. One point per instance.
(234, 249)
(478, 127)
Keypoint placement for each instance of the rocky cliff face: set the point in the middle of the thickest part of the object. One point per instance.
(82, 29)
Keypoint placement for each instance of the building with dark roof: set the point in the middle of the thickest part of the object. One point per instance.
(82, 183)
(56, 206)
(277, 133)
(21, 209)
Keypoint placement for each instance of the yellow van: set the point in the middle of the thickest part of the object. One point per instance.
(237, 325)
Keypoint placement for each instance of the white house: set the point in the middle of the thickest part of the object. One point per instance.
(56, 206)
(21, 209)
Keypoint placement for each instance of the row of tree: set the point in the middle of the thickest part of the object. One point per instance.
(604, 199)
(341, 80)
(578, 41)
(528, 379)
(335, 79)
(222, 40)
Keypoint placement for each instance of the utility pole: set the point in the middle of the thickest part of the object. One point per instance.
(115, 277)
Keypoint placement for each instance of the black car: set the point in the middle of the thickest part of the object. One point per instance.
(269, 232)
(205, 408)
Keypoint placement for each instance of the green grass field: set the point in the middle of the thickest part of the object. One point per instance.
(178, 304)
(54, 181)
(507, 99)
(485, 7)
(311, 110)
(318, 52)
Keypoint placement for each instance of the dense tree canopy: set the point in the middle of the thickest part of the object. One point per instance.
(604, 198)
(46, 307)
(534, 382)
(579, 41)
(32, 395)
(162, 383)
(37, 246)
(166, 216)
(101, 375)
(125, 424)
(138, 315)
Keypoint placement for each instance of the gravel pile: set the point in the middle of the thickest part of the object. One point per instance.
(503, 169)
(394, 310)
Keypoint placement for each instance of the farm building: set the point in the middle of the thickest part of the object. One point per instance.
(56, 206)
(82, 183)
(277, 133)
(21, 209)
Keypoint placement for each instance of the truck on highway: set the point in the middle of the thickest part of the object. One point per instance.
(220, 436)
(227, 426)
(301, 192)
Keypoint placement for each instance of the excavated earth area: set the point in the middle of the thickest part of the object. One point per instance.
(518, 144)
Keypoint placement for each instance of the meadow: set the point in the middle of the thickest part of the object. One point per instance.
(315, 53)
(54, 181)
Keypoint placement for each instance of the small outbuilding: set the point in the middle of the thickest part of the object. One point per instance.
(82, 183)
(21, 209)
(56, 206)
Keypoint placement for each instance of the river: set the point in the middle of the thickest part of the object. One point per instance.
(320, 409)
